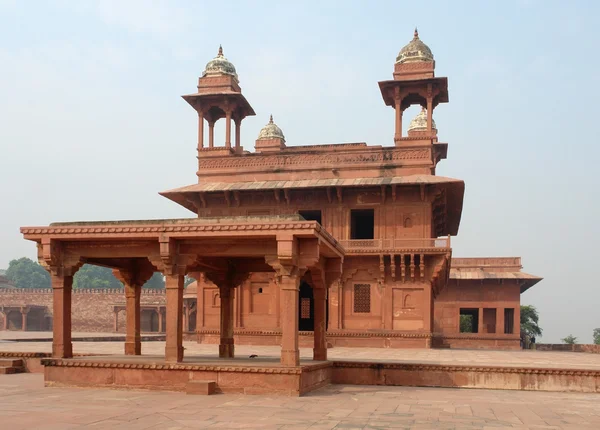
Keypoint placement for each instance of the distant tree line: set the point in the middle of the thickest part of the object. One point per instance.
(26, 273)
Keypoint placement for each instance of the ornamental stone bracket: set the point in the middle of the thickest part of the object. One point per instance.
(52, 257)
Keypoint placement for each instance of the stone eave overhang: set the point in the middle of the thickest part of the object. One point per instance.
(525, 280)
(414, 88)
(193, 228)
(190, 195)
(197, 100)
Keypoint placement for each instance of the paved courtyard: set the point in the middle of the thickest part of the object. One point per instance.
(527, 358)
(26, 404)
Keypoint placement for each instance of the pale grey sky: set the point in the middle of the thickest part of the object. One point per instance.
(92, 126)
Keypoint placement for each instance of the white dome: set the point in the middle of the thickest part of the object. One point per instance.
(271, 131)
(419, 123)
(219, 66)
(415, 51)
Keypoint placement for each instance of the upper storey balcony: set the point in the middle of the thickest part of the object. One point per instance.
(397, 246)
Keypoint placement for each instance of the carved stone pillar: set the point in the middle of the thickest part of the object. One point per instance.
(186, 317)
(115, 320)
(160, 320)
(133, 344)
(334, 306)
(480, 328)
(398, 108)
(290, 291)
(320, 303)
(174, 335)
(429, 115)
(228, 129)
(24, 312)
(238, 145)
(200, 130)
(226, 344)
(211, 134)
(62, 285)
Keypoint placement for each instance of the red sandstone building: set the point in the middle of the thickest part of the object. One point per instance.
(350, 242)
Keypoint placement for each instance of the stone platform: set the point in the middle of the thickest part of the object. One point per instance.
(244, 376)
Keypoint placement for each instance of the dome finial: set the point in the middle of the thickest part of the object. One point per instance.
(271, 119)
(416, 33)
(220, 54)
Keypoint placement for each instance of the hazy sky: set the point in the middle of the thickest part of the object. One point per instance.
(92, 126)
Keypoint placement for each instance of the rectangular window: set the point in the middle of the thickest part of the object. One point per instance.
(362, 224)
(311, 215)
(469, 320)
(509, 321)
(362, 298)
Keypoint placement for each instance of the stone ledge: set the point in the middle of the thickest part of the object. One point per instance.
(458, 368)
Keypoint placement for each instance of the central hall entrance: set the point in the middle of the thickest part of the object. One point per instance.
(306, 312)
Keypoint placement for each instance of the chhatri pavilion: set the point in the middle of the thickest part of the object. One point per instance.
(344, 244)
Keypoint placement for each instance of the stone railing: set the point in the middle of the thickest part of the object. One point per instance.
(387, 245)
(593, 349)
(145, 291)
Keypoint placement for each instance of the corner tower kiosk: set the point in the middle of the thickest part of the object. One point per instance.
(382, 203)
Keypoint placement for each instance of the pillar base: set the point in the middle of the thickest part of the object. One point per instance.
(174, 354)
(290, 358)
(226, 350)
(320, 354)
(62, 350)
(133, 348)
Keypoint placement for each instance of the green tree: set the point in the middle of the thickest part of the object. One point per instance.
(26, 273)
(95, 277)
(156, 282)
(466, 323)
(530, 321)
(570, 340)
(597, 336)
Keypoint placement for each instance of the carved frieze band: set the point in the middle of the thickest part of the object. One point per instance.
(178, 367)
(381, 156)
(456, 368)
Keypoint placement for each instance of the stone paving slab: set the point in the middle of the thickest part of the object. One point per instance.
(527, 358)
(25, 403)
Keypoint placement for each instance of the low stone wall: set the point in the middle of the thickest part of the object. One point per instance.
(455, 376)
(92, 310)
(593, 349)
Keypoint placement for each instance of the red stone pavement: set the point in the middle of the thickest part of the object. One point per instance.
(26, 404)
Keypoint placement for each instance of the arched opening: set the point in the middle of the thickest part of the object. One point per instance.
(192, 321)
(15, 320)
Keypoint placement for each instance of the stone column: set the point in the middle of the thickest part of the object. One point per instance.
(398, 107)
(238, 144)
(334, 300)
(499, 320)
(62, 285)
(517, 324)
(226, 345)
(185, 317)
(174, 338)
(133, 344)
(429, 115)
(5, 323)
(211, 134)
(24, 312)
(290, 291)
(160, 320)
(320, 345)
(228, 129)
(200, 130)
(116, 320)
(480, 322)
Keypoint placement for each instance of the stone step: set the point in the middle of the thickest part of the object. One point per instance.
(201, 387)
(11, 362)
(6, 370)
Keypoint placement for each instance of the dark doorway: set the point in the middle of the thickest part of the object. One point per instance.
(509, 321)
(311, 215)
(362, 224)
(307, 308)
(469, 320)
